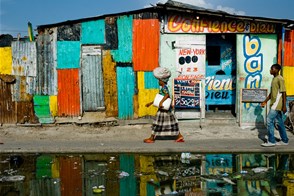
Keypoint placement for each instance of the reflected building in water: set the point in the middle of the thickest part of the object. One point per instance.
(147, 174)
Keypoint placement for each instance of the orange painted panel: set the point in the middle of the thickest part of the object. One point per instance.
(288, 49)
(145, 44)
(68, 97)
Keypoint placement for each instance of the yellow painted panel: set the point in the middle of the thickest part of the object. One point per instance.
(6, 60)
(53, 105)
(110, 85)
(145, 96)
(288, 73)
(55, 168)
(147, 167)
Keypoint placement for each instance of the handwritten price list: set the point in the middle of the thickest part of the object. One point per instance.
(186, 93)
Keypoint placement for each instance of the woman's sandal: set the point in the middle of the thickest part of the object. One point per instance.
(180, 139)
(149, 140)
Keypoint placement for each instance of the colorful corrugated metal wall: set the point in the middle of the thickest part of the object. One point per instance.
(68, 97)
(145, 44)
(288, 61)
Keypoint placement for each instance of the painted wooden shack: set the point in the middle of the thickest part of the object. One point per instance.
(104, 63)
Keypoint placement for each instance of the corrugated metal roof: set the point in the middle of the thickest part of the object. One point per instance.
(176, 6)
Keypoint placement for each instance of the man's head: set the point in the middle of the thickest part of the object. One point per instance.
(275, 68)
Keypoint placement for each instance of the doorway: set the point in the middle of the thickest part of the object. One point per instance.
(220, 81)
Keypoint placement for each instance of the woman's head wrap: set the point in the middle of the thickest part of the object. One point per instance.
(162, 73)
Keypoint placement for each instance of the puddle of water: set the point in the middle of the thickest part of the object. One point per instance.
(146, 174)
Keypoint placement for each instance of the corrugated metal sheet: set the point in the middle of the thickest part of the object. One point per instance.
(125, 92)
(129, 184)
(94, 176)
(125, 34)
(69, 32)
(68, 54)
(7, 106)
(110, 85)
(288, 48)
(46, 79)
(53, 105)
(19, 90)
(92, 79)
(6, 60)
(24, 58)
(111, 37)
(43, 166)
(45, 187)
(288, 73)
(148, 88)
(71, 176)
(145, 44)
(42, 109)
(68, 97)
(93, 32)
(25, 112)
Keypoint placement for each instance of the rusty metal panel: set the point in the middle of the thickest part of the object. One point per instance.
(71, 175)
(92, 79)
(24, 58)
(145, 44)
(123, 54)
(69, 32)
(25, 112)
(288, 49)
(68, 97)
(46, 79)
(20, 89)
(110, 85)
(111, 37)
(7, 106)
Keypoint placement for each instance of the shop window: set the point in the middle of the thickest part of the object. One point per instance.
(213, 55)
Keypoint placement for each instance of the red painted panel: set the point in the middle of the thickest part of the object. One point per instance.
(288, 49)
(145, 44)
(71, 176)
(68, 97)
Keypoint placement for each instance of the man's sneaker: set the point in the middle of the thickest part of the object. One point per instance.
(268, 144)
(281, 143)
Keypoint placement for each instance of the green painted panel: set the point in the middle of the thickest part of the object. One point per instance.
(129, 184)
(42, 111)
(41, 100)
(43, 166)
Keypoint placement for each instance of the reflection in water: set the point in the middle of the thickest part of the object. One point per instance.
(146, 174)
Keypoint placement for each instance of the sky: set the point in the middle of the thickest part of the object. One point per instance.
(15, 14)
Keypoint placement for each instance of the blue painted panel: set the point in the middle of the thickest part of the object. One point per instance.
(125, 35)
(125, 92)
(220, 85)
(68, 54)
(93, 32)
(150, 81)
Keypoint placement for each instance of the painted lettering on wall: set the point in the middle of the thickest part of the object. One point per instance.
(253, 64)
(191, 60)
(186, 24)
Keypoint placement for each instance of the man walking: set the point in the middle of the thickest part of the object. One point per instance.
(277, 108)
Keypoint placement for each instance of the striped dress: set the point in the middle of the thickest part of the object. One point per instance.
(165, 124)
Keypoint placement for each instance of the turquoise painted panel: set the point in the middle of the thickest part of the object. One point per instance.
(68, 54)
(127, 164)
(254, 60)
(125, 92)
(125, 37)
(150, 81)
(93, 32)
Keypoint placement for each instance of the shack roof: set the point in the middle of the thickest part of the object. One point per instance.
(179, 7)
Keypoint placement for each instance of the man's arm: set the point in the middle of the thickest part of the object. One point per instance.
(266, 100)
(284, 107)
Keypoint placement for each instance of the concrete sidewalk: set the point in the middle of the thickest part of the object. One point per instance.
(127, 137)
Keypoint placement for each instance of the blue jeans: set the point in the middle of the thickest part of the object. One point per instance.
(271, 117)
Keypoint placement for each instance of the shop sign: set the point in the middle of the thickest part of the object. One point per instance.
(188, 24)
